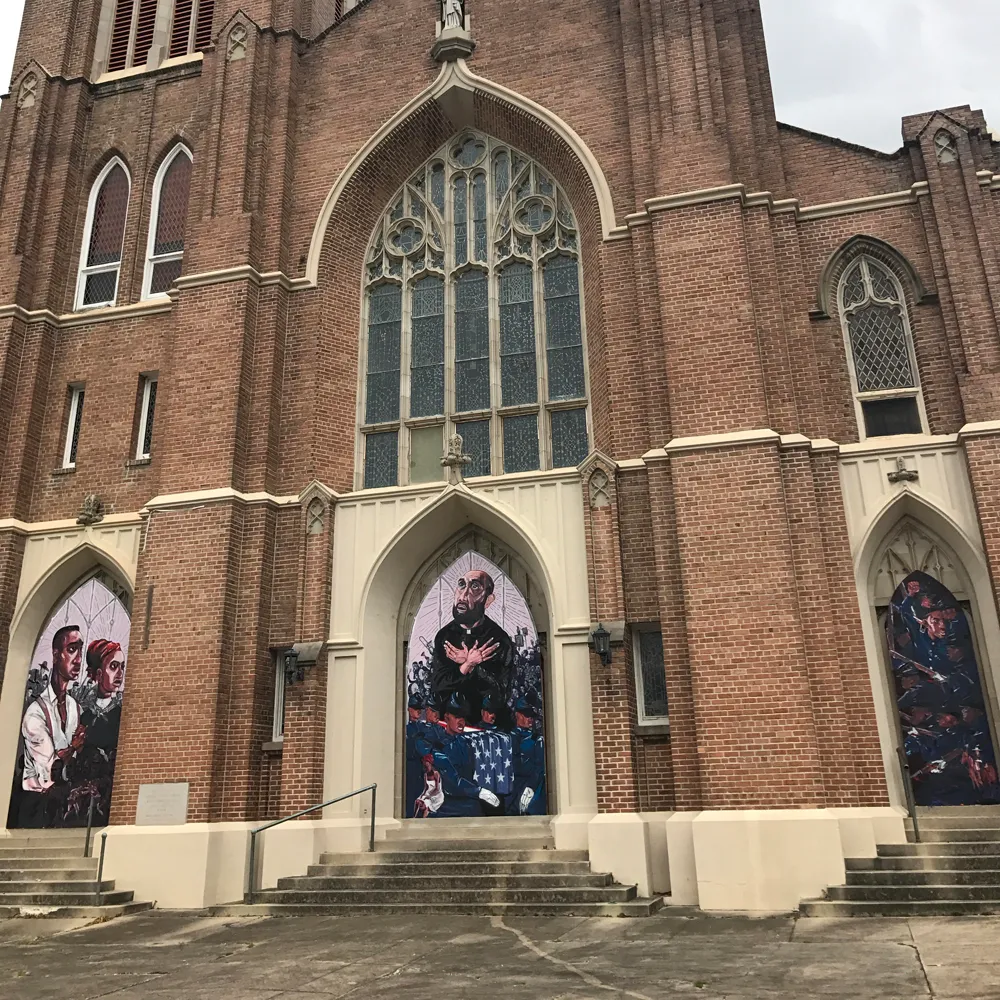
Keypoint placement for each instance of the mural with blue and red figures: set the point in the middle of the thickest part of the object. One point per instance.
(947, 738)
(475, 743)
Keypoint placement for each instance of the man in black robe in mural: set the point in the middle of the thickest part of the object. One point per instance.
(473, 655)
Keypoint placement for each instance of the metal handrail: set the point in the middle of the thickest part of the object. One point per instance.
(90, 825)
(252, 874)
(911, 802)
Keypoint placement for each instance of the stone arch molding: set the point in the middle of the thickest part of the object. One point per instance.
(885, 253)
(455, 91)
(419, 538)
(967, 567)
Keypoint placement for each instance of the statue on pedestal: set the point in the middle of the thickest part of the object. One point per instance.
(453, 13)
(455, 460)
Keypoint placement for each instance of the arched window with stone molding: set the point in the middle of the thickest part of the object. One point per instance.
(104, 237)
(473, 322)
(884, 374)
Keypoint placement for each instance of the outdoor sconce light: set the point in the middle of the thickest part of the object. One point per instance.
(294, 671)
(600, 642)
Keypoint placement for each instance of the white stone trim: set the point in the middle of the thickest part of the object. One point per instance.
(243, 272)
(168, 501)
(793, 206)
(457, 76)
(65, 524)
(733, 439)
(985, 428)
(124, 74)
(898, 443)
(85, 317)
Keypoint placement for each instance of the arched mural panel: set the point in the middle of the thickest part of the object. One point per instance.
(943, 714)
(474, 685)
(71, 714)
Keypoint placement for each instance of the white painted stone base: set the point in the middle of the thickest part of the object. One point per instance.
(569, 830)
(203, 864)
(619, 843)
(769, 860)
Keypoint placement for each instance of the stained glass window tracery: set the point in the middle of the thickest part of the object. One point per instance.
(474, 318)
(876, 322)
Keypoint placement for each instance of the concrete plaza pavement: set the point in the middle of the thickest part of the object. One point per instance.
(163, 955)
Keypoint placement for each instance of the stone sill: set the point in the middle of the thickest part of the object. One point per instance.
(644, 729)
(273, 746)
(64, 470)
(138, 463)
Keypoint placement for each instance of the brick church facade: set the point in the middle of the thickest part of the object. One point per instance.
(725, 388)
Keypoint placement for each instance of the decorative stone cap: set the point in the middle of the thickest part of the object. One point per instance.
(451, 44)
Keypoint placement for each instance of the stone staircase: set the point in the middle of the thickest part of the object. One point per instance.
(502, 866)
(43, 873)
(953, 871)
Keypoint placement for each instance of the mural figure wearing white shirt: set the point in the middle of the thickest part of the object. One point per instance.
(52, 732)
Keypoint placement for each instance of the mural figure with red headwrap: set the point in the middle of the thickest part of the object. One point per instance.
(72, 716)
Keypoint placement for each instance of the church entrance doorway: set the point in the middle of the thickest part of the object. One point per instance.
(473, 684)
(938, 681)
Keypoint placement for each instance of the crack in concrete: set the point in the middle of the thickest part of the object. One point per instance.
(589, 979)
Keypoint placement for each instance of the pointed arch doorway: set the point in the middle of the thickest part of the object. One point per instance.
(940, 682)
(473, 636)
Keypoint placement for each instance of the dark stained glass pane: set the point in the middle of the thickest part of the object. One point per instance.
(77, 424)
(110, 210)
(147, 437)
(520, 443)
(518, 368)
(569, 438)
(437, 187)
(100, 288)
(479, 217)
(654, 678)
(472, 342)
(563, 329)
(165, 275)
(461, 221)
(381, 465)
(881, 354)
(172, 216)
(476, 444)
(384, 328)
(427, 350)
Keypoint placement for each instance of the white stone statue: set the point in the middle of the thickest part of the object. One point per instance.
(453, 13)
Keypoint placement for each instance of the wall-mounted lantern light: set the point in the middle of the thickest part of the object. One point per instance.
(600, 642)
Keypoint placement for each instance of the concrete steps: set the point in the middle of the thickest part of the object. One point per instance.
(46, 875)
(508, 866)
(953, 871)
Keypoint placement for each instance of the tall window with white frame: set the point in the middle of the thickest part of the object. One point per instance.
(147, 410)
(104, 237)
(74, 420)
(650, 676)
(884, 374)
(167, 221)
(280, 682)
(473, 322)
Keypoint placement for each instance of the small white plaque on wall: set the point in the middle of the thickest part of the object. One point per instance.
(162, 804)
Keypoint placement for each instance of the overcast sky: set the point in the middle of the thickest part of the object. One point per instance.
(848, 68)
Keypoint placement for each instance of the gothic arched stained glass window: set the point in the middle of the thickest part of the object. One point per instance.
(473, 321)
(883, 365)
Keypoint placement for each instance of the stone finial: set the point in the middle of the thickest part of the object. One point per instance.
(455, 460)
(91, 510)
(453, 38)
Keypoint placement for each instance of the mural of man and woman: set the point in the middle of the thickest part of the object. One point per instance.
(949, 748)
(475, 742)
(72, 714)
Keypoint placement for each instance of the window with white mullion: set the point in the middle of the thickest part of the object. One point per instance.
(475, 210)
(104, 237)
(882, 361)
(167, 223)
